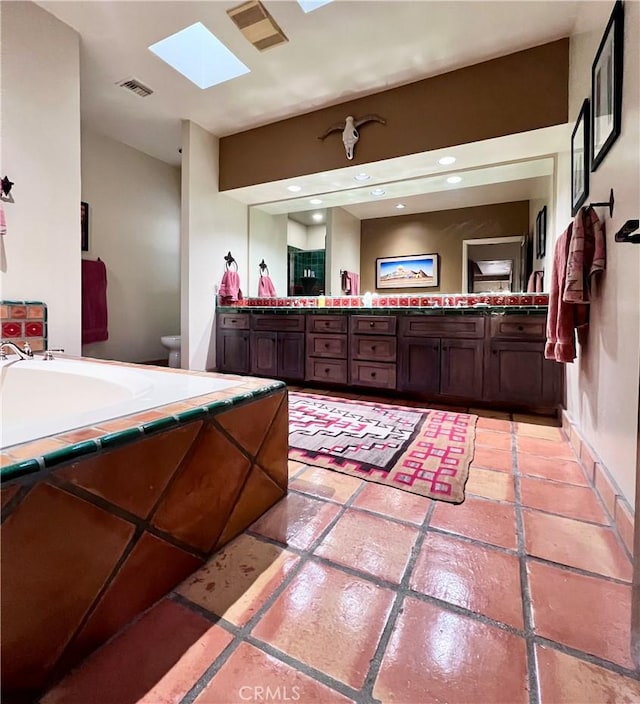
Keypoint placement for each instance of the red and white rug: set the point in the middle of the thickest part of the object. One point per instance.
(426, 452)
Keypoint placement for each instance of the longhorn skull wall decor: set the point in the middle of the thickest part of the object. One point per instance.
(350, 134)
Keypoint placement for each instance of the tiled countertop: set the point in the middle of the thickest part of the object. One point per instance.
(400, 310)
(44, 453)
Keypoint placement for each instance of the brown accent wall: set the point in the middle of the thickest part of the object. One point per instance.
(515, 93)
(441, 232)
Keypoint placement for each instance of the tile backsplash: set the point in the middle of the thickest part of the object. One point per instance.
(24, 321)
(454, 300)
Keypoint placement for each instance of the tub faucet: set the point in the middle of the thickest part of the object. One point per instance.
(25, 353)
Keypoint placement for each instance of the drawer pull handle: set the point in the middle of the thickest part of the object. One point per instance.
(373, 348)
(435, 347)
(520, 328)
(234, 321)
(326, 371)
(371, 324)
(373, 374)
(494, 352)
(326, 344)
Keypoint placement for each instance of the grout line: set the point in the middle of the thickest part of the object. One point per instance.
(527, 607)
(243, 632)
(312, 672)
(588, 657)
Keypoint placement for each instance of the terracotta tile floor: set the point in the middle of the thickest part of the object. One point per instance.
(348, 591)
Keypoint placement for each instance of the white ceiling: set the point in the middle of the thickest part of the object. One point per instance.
(339, 52)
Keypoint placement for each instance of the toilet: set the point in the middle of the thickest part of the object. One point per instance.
(172, 343)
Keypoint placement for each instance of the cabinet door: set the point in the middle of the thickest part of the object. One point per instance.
(233, 351)
(519, 373)
(419, 365)
(291, 355)
(264, 353)
(461, 368)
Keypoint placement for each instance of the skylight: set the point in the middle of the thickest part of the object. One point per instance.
(311, 5)
(200, 56)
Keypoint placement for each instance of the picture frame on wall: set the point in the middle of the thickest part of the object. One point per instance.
(541, 233)
(84, 226)
(580, 159)
(412, 271)
(606, 87)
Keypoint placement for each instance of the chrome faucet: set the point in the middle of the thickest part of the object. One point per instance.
(25, 353)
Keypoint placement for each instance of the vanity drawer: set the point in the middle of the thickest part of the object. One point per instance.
(276, 323)
(377, 349)
(327, 346)
(519, 327)
(332, 370)
(326, 323)
(373, 324)
(233, 321)
(442, 326)
(376, 374)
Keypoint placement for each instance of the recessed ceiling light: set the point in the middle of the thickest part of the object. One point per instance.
(454, 179)
(317, 217)
(315, 201)
(361, 177)
(311, 5)
(200, 56)
(294, 189)
(378, 192)
(400, 206)
(447, 160)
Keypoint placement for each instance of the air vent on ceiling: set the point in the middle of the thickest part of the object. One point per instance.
(134, 85)
(257, 25)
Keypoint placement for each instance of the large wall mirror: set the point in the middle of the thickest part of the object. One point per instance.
(480, 220)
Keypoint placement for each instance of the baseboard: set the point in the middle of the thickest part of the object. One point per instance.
(157, 362)
(618, 508)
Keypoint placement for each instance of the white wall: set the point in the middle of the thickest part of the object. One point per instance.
(134, 221)
(343, 247)
(296, 234)
(212, 225)
(316, 236)
(268, 241)
(40, 255)
(602, 385)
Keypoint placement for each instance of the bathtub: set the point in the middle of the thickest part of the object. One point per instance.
(39, 398)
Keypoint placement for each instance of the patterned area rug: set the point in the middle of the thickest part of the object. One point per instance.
(426, 452)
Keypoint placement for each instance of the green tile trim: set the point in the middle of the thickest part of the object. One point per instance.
(20, 469)
(120, 437)
(192, 414)
(65, 454)
(154, 426)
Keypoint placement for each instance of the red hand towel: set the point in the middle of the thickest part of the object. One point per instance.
(230, 287)
(94, 302)
(266, 289)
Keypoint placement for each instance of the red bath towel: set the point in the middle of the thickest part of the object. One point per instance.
(579, 255)
(94, 301)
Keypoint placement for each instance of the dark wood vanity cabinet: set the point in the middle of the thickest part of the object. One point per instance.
(232, 343)
(277, 346)
(478, 358)
(517, 370)
(373, 351)
(442, 355)
(327, 348)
